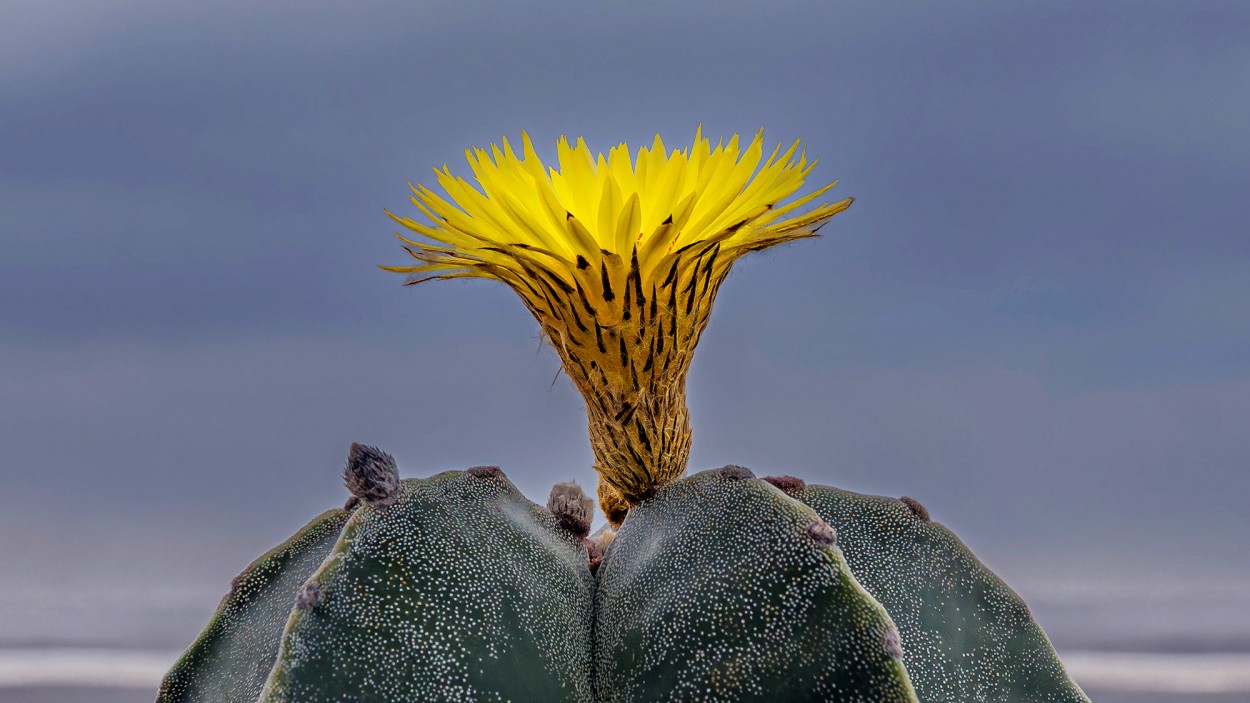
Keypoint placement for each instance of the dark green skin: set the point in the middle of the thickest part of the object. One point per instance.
(714, 590)
(463, 590)
(966, 635)
(231, 659)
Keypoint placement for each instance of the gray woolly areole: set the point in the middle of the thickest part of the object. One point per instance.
(371, 475)
(787, 484)
(733, 472)
(916, 508)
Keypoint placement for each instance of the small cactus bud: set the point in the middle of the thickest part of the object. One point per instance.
(371, 476)
(485, 472)
(572, 508)
(916, 508)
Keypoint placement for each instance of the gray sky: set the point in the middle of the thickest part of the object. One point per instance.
(1034, 318)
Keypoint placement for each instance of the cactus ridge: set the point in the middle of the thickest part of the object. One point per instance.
(461, 590)
(966, 635)
(718, 588)
(233, 655)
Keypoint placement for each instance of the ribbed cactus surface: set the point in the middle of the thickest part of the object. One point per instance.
(461, 590)
(716, 588)
(233, 656)
(966, 634)
(720, 589)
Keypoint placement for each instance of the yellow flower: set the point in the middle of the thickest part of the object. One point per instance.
(619, 260)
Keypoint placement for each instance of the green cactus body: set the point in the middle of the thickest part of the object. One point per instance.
(231, 659)
(966, 635)
(462, 590)
(720, 588)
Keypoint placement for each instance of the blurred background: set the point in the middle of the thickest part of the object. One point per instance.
(1034, 319)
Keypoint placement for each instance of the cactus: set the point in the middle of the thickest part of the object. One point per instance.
(718, 587)
(619, 261)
